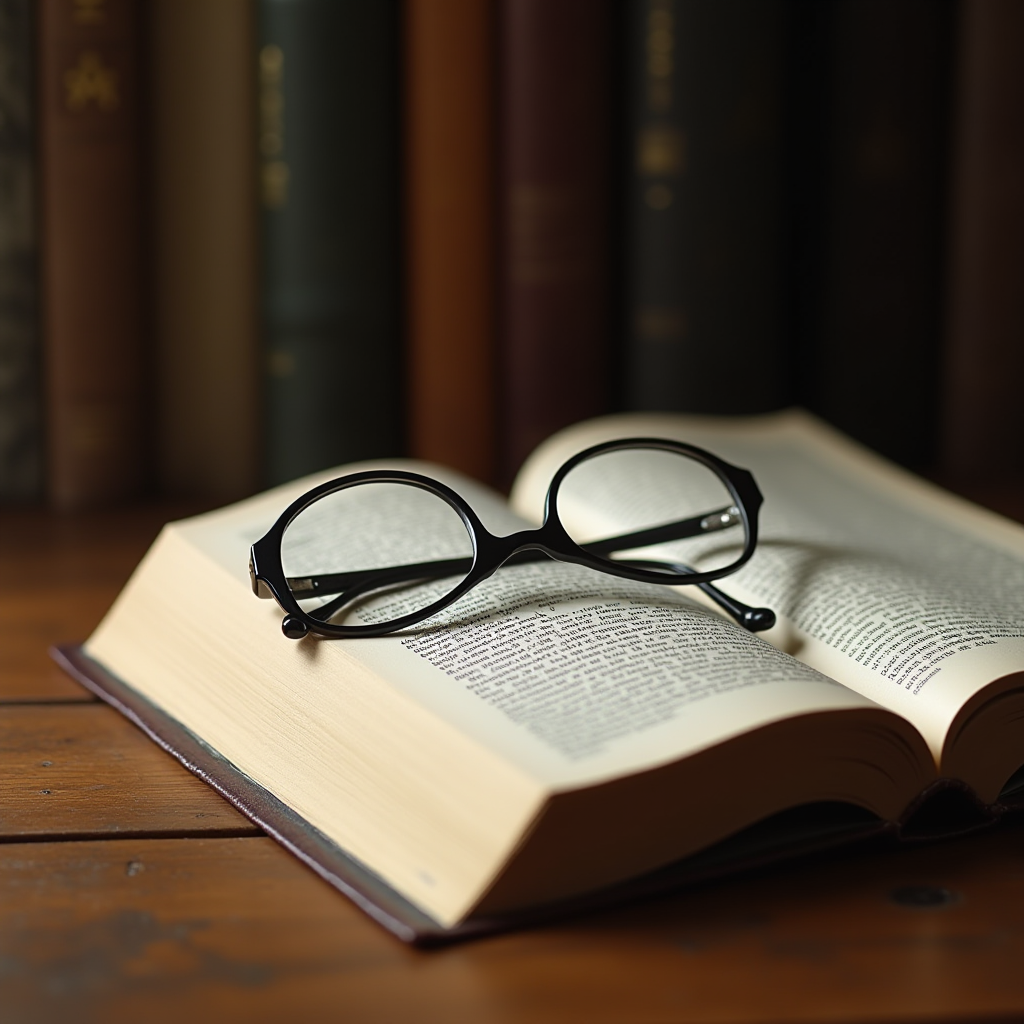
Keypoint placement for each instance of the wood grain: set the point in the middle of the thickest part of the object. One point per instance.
(156, 929)
(83, 770)
(60, 573)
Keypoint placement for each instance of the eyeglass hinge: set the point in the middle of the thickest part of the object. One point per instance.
(720, 520)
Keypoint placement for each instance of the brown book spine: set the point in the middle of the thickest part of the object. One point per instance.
(983, 431)
(92, 251)
(450, 251)
(205, 281)
(554, 212)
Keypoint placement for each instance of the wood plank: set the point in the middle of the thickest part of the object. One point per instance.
(60, 574)
(82, 770)
(237, 929)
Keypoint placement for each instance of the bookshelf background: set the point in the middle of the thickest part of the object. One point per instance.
(243, 240)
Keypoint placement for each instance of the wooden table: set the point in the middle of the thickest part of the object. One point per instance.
(131, 892)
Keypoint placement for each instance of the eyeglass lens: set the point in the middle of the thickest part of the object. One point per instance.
(375, 552)
(657, 510)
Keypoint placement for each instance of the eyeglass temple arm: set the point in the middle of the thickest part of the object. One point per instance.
(757, 620)
(334, 583)
(353, 585)
(754, 619)
(710, 522)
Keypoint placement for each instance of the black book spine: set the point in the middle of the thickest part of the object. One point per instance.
(983, 415)
(328, 144)
(705, 279)
(873, 339)
(21, 461)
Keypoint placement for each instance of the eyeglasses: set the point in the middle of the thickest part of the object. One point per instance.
(374, 552)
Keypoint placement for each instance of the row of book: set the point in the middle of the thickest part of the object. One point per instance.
(245, 240)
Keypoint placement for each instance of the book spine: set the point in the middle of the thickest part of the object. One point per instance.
(983, 429)
(705, 288)
(90, 181)
(554, 211)
(328, 144)
(450, 233)
(21, 462)
(205, 215)
(874, 359)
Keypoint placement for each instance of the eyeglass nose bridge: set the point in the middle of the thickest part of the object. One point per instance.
(548, 540)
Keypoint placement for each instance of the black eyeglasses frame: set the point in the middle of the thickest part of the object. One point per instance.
(490, 552)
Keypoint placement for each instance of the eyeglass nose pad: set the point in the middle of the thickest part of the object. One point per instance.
(293, 628)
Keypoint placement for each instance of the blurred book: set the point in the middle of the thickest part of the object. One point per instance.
(93, 256)
(983, 428)
(203, 123)
(554, 206)
(21, 439)
(328, 147)
(449, 161)
(705, 274)
(880, 92)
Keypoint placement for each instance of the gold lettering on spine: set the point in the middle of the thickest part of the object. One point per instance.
(660, 148)
(90, 80)
(90, 12)
(660, 151)
(274, 167)
(660, 62)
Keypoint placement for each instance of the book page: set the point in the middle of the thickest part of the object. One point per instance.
(900, 591)
(570, 673)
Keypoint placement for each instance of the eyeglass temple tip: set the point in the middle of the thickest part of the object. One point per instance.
(757, 620)
(293, 628)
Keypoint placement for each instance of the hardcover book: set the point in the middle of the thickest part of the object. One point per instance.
(705, 234)
(879, 258)
(21, 434)
(93, 277)
(449, 70)
(329, 191)
(983, 428)
(558, 736)
(205, 327)
(553, 204)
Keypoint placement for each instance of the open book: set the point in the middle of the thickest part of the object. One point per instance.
(558, 732)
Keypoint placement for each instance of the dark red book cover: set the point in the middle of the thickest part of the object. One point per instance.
(553, 212)
(90, 178)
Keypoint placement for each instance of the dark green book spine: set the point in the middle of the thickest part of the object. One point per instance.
(704, 240)
(21, 469)
(328, 144)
